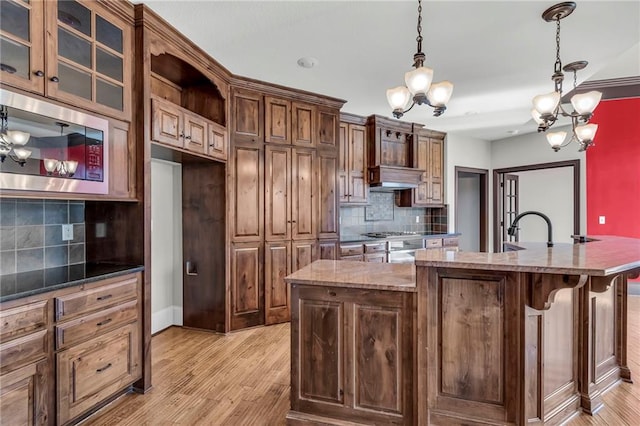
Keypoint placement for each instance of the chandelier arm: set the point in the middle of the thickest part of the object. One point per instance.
(409, 109)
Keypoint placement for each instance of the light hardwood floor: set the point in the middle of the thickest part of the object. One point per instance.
(243, 379)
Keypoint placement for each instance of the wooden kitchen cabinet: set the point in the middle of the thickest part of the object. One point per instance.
(277, 120)
(78, 52)
(352, 168)
(428, 155)
(24, 394)
(247, 194)
(277, 264)
(303, 191)
(247, 285)
(328, 124)
(247, 116)
(303, 125)
(352, 356)
(303, 253)
(328, 249)
(328, 206)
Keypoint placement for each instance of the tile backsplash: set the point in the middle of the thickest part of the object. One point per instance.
(382, 214)
(31, 239)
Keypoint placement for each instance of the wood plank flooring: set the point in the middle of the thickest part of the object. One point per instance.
(243, 379)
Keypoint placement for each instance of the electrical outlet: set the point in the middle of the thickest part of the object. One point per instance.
(67, 232)
(417, 219)
(601, 220)
(101, 230)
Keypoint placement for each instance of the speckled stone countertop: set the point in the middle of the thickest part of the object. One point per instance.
(25, 284)
(348, 274)
(605, 256)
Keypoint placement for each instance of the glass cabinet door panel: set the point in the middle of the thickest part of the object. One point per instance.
(74, 81)
(75, 15)
(14, 58)
(108, 64)
(108, 34)
(74, 48)
(109, 94)
(15, 19)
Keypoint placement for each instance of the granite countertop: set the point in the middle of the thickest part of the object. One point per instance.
(16, 286)
(606, 255)
(358, 238)
(348, 274)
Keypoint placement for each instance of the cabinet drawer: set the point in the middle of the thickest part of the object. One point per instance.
(432, 242)
(357, 257)
(450, 242)
(96, 298)
(92, 371)
(351, 250)
(91, 325)
(376, 257)
(18, 321)
(375, 247)
(24, 349)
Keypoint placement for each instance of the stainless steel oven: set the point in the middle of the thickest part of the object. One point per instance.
(47, 147)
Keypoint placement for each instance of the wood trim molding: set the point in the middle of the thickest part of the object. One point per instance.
(613, 88)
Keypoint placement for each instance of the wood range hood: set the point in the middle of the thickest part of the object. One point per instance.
(390, 155)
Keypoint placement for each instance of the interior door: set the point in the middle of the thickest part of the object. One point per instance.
(509, 211)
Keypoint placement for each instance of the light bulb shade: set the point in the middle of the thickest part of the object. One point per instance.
(585, 103)
(50, 164)
(586, 132)
(546, 104)
(398, 97)
(440, 93)
(17, 137)
(419, 80)
(536, 116)
(22, 153)
(70, 166)
(555, 139)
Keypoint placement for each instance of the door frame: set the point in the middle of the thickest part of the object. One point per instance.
(558, 164)
(484, 202)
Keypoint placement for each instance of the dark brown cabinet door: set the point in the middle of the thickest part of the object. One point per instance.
(195, 133)
(303, 124)
(328, 210)
(343, 158)
(328, 249)
(167, 123)
(436, 153)
(217, 141)
(22, 46)
(303, 190)
(247, 117)
(328, 122)
(303, 254)
(247, 285)
(277, 120)
(247, 194)
(277, 189)
(277, 263)
(357, 164)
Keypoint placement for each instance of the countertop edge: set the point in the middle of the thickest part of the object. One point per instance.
(43, 290)
(380, 287)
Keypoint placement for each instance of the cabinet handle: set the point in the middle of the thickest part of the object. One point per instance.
(107, 321)
(105, 297)
(100, 370)
(39, 73)
(181, 134)
(191, 268)
(187, 137)
(54, 79)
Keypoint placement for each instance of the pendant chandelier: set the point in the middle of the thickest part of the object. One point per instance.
(546, 108)
(419, 89)
(12, 141)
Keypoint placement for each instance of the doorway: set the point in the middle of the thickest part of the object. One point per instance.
(550, 188)
(472, 208)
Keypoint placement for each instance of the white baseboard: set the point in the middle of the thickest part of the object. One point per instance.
(171, 315)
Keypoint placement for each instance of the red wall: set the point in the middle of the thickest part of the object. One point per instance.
(613, 170)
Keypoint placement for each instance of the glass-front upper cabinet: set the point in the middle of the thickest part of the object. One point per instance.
(21, 44)
(87, 60)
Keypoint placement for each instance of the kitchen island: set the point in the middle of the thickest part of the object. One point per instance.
(528, 336)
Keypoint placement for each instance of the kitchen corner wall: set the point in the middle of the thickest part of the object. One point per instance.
(31, 242)
(382, 214)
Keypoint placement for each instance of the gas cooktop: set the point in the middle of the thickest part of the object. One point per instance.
(385, 234)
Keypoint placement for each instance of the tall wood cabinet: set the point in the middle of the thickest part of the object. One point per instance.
(283, 195)
(352, 166)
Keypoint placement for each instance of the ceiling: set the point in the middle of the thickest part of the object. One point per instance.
(498, 54)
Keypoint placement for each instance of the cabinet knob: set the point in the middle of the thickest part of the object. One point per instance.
(187, 137)
(181, 134)
(55, 79)
(39, 73)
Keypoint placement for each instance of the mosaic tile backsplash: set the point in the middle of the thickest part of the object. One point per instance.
(31, 240)
(382, 214)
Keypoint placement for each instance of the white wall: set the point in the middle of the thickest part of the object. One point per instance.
(550, 192)
(166, 244)
(469, 211)
(463, 151)
(533, 148)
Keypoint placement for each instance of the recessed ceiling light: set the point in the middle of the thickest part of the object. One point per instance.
(513, 132)
(307, 62)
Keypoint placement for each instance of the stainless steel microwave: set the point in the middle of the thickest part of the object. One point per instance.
(47, 147)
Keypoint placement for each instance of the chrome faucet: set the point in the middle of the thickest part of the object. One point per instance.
(512, 229)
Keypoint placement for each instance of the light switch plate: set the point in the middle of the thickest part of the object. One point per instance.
(67, 232)
(601, 220)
